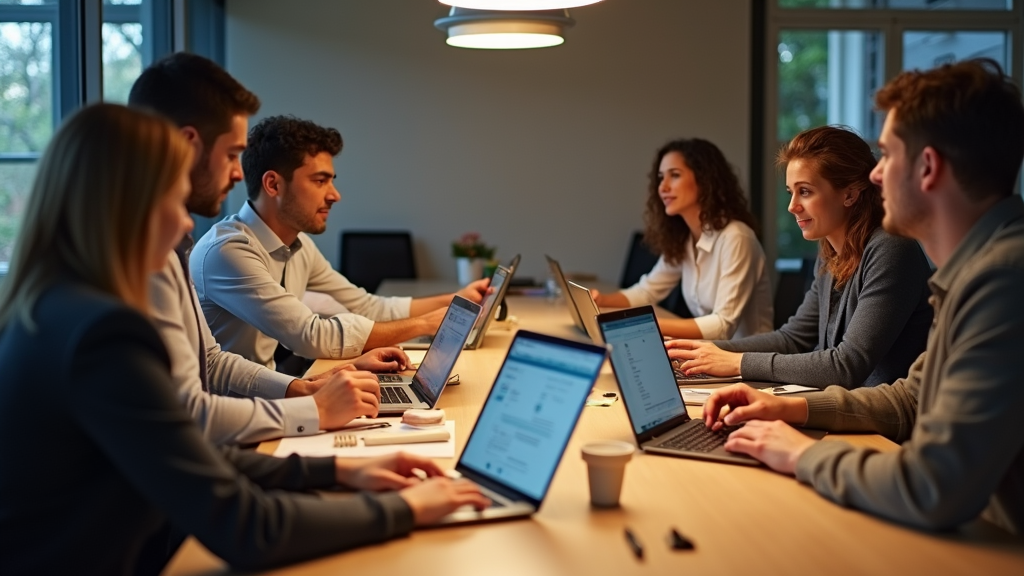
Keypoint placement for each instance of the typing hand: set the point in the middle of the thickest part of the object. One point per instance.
(430, 321)
(347, 394)
(703, 357)
(435, 498)
(776, 444)
(746, 403)
(391, 472)
(387, 359)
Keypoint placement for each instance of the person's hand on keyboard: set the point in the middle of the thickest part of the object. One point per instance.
(746, 403)
(703, 357)
(776, 443)
(384, 359)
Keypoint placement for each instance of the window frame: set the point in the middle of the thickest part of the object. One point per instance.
(891, 24)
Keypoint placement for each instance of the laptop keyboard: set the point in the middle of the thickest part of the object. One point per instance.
(388, 378)
(394, 395)
(698, 438)
(683, 377)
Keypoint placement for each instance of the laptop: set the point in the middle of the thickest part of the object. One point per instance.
(655, 407)
(556, 271)
(499, 281)
(587, 309)
(399, 393)
(525, 424)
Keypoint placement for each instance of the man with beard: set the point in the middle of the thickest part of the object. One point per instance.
(952, 146)
(212, 110)
(252, 269)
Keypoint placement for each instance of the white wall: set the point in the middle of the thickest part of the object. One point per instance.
(542, 151)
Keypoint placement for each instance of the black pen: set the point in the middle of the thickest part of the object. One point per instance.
(366, 427)
(634, 544)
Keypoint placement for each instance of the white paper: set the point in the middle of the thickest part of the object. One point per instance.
(323, 444)
(695, 396)
(415, 357)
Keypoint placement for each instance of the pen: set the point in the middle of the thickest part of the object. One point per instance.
(634, 544)
(368, 427)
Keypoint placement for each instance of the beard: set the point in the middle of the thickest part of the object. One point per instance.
(300, 219)
(206, 197)
(903, 211)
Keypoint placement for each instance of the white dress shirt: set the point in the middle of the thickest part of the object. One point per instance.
(724, 281)
(237, 267)
(264, 415)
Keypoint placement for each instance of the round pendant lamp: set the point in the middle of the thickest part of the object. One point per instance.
(518, 4)
(504, 30)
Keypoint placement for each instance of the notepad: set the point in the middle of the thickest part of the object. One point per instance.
(323, 444)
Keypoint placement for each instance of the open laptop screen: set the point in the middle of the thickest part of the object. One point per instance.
(531, 411)
(487, 306)
(644, 371)
(444, 350)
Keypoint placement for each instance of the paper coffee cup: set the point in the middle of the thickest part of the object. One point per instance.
(606, 466)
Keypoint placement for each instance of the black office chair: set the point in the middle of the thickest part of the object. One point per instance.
(790, 292)
(367, 258)
(639, 261)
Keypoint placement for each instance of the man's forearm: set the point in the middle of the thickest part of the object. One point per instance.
(420, 306)
(396, 332)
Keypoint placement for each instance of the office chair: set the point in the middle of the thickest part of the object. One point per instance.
(367, 258)
(790, 292)
(639, 261)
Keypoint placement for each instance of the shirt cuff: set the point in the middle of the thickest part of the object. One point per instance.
(821, 411)
(711, 327)
(355, 331)
(634, 294)
(270, 384)
(400, 307)
(301, 417)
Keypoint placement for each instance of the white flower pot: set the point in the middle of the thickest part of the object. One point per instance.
(469, 269)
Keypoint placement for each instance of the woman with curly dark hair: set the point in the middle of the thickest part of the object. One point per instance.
(866, 317)
(698, 220)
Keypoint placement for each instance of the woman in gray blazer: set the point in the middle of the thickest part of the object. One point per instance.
(104, 472)
(866, 317)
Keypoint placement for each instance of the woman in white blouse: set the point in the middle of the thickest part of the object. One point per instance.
(698, 219)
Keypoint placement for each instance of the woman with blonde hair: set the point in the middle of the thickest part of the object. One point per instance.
(697, 219)
(118, 473)
(866, 317)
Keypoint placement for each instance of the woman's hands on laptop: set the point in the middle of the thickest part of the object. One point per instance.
(703, 357)
(768, 434)
(421, 483)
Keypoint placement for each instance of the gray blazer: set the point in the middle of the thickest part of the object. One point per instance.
(872, 336)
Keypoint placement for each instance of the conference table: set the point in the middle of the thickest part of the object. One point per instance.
(742, 520)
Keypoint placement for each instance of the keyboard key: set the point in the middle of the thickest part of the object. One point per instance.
(698, 438)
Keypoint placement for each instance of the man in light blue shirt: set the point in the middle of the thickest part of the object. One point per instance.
(252, 269)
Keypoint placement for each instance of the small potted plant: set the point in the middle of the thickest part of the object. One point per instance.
(470, 256)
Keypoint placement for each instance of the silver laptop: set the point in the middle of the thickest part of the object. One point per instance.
(588, 310)
(556, 271)
(499, 281)
(526, 423)
(423, 389)
(655, 407)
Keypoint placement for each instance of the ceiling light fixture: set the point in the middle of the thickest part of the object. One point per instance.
(518, 4)
(498, 30)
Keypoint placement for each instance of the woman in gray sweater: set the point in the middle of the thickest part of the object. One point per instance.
(866, 317)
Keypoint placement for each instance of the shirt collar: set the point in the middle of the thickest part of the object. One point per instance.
(1003, 212)
(707, 239)
(271, 243)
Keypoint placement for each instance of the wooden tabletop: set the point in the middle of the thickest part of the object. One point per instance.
(741, 519)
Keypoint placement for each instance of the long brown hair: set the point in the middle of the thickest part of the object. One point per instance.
(845, 161)
(719, 194)
(97, 185)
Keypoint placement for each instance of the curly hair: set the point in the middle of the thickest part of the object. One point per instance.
(845, 161)
(281, 144)
(719, 194)
(970, 112)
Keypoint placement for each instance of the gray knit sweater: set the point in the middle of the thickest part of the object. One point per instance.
(871, 335)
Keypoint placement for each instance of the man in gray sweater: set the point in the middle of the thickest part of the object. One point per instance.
(952, 146)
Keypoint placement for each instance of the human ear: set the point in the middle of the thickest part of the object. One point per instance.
(272, 183)
(193, 138)
(929, 167)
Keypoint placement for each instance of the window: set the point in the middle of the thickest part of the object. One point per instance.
(825, 59)
(56, 55)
